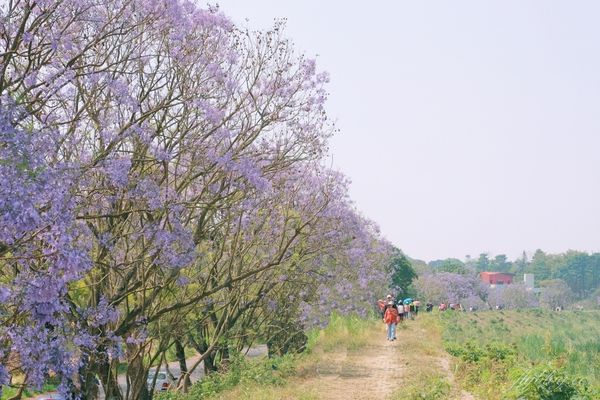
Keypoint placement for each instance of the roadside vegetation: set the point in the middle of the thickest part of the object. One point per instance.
(348, 357)
(268, 378)
(525, 354)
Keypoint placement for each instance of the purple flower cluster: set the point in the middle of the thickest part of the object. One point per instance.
(166, 160)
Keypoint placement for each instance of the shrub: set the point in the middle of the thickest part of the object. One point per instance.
(268, 371)
(546, 382)
(472, 353)
(430, 387)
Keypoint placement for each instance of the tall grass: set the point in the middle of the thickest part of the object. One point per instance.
(351, 332)
(268, 378)
(566, 343)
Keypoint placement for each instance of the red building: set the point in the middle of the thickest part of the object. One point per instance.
(496, 278)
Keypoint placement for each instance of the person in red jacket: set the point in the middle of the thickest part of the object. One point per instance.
(385, 304)
(391, 319)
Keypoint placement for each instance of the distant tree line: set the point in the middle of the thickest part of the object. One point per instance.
(580, 271)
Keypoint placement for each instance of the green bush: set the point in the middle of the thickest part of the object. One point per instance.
(268, 371)
(546, 382)
(430, 387)
(470, 352)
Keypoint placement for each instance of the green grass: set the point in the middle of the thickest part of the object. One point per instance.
(8, 392)
(266, 378)
(564, 344)
(428, 387)
(348, 331)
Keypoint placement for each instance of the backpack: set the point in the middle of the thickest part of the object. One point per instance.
(391, 315)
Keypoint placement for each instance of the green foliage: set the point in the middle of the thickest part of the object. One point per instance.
(580, 270)
(264, 372)
(429, 387)
(452, 265)
(492, 350)
(349, 331)
(8, 392)
(352, 332)
(472, 353)
(402, 272)
(483, 262)
(546, 382)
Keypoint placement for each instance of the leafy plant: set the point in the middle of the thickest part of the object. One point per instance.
(546, 382)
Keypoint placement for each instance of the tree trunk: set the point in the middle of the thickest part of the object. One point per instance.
(180, 353)
(108, 377)
(89, 383)
(137, 376)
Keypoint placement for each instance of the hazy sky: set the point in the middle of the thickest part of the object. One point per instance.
(466, 126)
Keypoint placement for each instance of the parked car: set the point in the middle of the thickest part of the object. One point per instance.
(163, 381)
(51, 396)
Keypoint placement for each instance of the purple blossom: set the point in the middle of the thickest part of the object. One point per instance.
(118, 170)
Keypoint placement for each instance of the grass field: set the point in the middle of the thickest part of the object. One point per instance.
(497, 351)
(528, 354)
(349, 359)
(282, 377)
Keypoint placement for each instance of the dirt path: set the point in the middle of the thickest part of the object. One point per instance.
(414, 366)
(370, 373)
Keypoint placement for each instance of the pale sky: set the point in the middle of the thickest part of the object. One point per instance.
(466, 126)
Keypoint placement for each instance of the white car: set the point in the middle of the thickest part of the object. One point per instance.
(51, 396)
(163, 381)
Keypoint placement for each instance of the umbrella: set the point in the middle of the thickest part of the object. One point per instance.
(408, 300)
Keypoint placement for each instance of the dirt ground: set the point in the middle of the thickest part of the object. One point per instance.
(412, 367)
(371, 373)
(383, 369)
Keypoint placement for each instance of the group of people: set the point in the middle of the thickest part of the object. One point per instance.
(452, 307)
(394, 313)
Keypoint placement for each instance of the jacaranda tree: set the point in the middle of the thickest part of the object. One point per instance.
(162, 184)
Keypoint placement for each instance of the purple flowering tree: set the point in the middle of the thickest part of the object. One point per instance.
(161, 183)
(555, 293)
(448, 287)
(512, 296)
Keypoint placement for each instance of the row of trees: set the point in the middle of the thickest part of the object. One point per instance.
(469, 291)
(579, 270)
(162, 187)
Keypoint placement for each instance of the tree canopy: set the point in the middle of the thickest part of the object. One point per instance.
(162, 183)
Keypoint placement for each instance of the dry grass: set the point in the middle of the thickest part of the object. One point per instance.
(352, 360)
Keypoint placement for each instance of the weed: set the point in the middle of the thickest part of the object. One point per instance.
(429, 387)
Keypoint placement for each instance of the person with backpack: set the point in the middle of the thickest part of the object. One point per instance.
(390, 318)
(401, 312)
(389, 302)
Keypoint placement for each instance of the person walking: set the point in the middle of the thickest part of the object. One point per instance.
(417, 304)
(390, 318)
(388, 300)
(401, 312)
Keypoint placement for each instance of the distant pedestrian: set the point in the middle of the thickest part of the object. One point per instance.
(411, 310)
(429, 307)
(417, 304)
(401, 311)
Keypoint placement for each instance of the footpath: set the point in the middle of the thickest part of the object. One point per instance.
(365, 366)
(413, 366)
